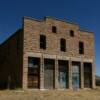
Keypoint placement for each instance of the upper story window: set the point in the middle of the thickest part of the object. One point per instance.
(81, 47)
(54, 29)
(42, 42)
(71, 33)
(63, 45)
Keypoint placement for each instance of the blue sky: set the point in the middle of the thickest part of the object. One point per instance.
(84, 12)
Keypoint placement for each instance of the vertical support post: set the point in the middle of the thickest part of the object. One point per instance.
(82, 75)
(25, 72)
(56, 74)
(93, 76)
(70, 74)
(42, 73)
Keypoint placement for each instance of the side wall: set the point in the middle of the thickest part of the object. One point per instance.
(11, 61)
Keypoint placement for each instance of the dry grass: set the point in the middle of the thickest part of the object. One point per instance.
(50, 95)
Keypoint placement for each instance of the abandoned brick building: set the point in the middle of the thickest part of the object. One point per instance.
(48, 54)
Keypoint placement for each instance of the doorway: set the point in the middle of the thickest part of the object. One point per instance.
(63, 74)
(75, 75)
(49, 67)
(87, 75)
(33, 72)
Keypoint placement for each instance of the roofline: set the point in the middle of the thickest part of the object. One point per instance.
(85, 30)
(81, 30)
(66, 21)
(9, 37)
(54, 18)
(31, 18)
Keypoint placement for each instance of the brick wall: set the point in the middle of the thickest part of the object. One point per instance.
(33, 29)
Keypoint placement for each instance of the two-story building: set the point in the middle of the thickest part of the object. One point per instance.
(48, 54)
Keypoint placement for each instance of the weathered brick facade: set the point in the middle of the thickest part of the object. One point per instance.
(29, 46)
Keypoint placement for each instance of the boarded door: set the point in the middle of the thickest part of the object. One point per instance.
(75, 76)
(63, 74)
(49, 73)
(87, 75)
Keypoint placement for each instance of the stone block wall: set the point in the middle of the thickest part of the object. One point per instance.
(32, 29)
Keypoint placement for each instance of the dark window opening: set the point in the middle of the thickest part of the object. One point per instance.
(63, 45)
(42, 41)
(81, 48)
(54, 29)
(71, 33)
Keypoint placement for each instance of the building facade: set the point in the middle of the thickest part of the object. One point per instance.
(48, 54)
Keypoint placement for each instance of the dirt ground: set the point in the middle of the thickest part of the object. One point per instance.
(50, 95)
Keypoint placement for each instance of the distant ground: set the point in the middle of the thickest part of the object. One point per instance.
(50, 95)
